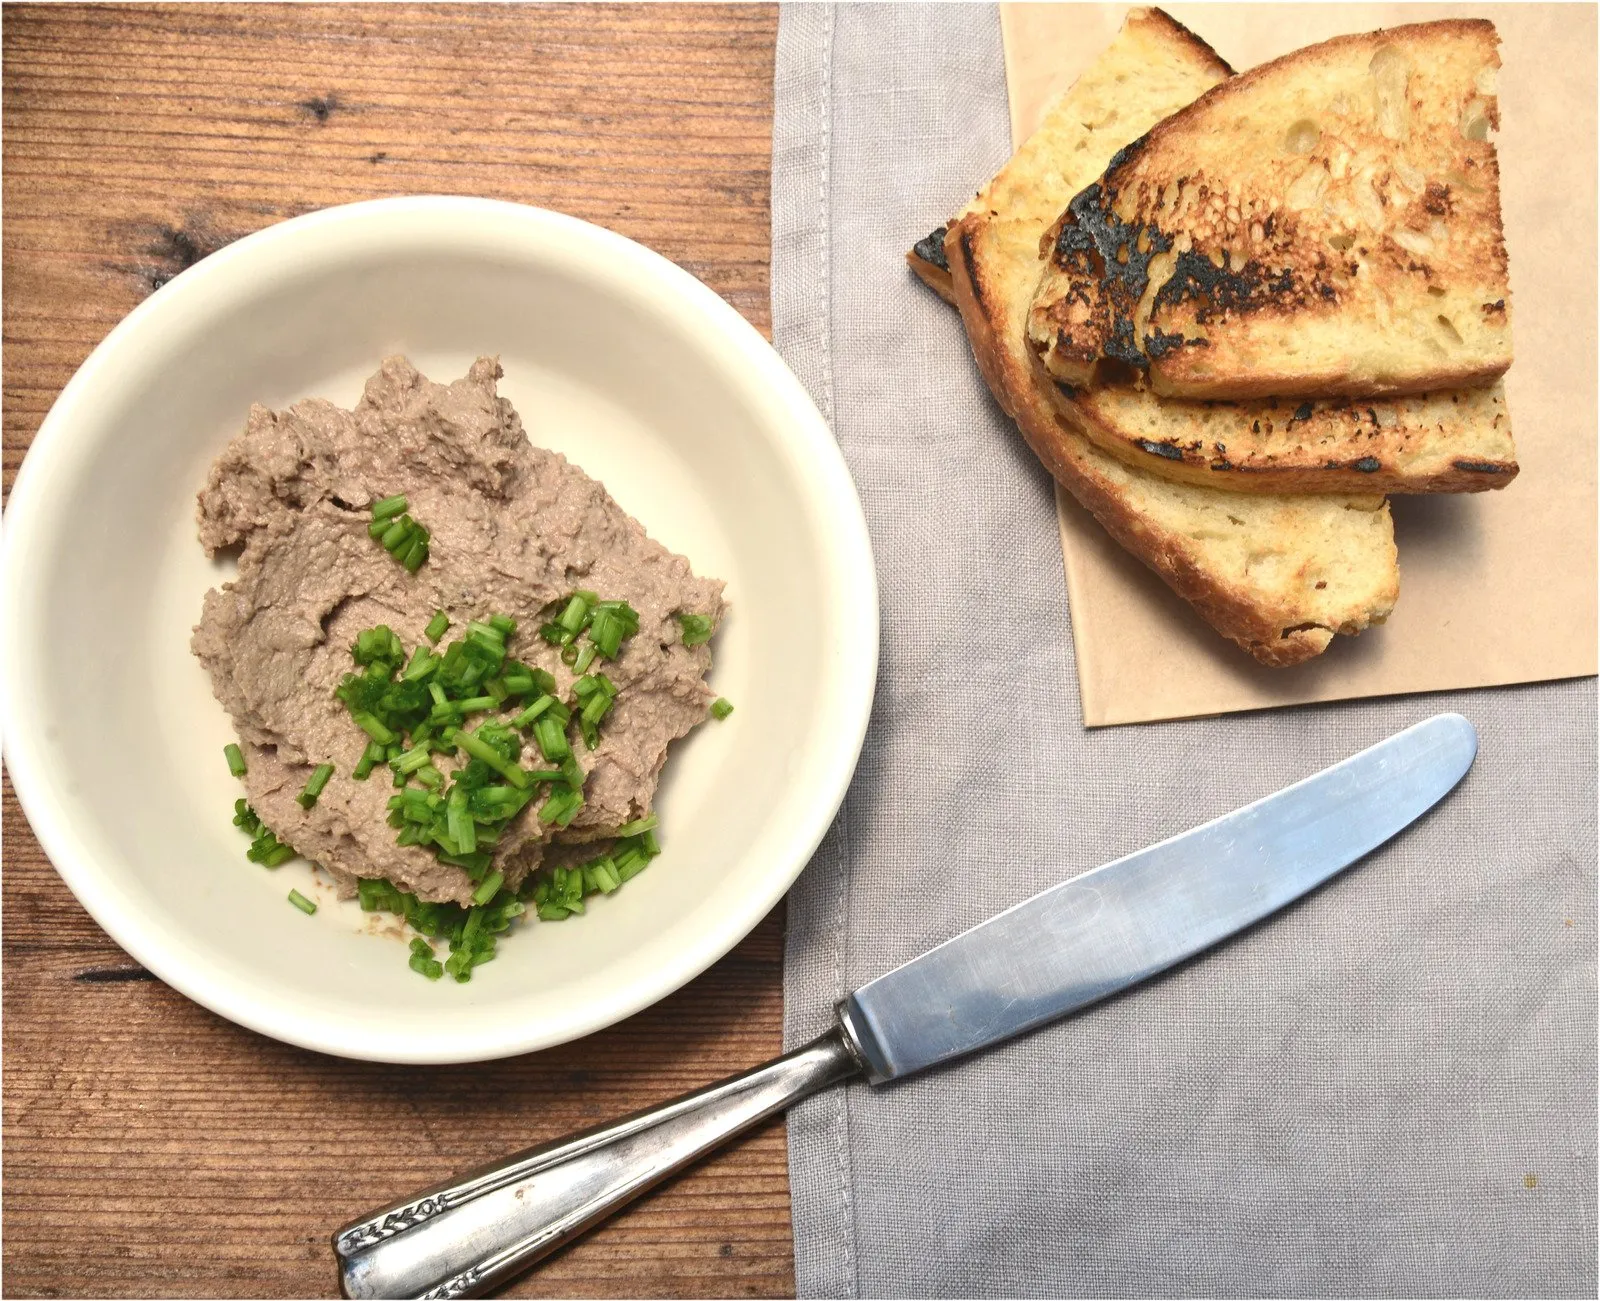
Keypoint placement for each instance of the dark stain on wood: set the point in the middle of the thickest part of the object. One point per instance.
(323, 107)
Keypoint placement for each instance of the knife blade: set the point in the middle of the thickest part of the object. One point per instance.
(1054, 954)
(1099, 933)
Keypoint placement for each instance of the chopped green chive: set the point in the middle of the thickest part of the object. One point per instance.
(302, 903)
(417, 554)
(610, 625)
(721, 707)
(647, 823)
(575, 615)
(314, 784)
(481, 749)
(437, 627)
(413, 760)
(490, 887)
(697, 628)
(373, 728)
(423, 662)
(422, 959)
(572, 772)
(562, 806)
(235, 758)
(400, 535)
(549, 734)
(265, 848)
(371, 757)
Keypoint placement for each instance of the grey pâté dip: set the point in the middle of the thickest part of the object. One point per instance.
(515, 530)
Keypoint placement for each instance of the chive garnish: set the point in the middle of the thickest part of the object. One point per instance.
(235, 757)
(721, 707)
(400, 535)
(302, 903)
(548, 733)
(697, 628)
(373, 728)
(611, 623)
(411, 709)
(265, 848)
(314, 784)
(423, 961)
(417, 554)
(480, 749)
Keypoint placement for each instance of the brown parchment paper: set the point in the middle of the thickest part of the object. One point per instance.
(1495, 587)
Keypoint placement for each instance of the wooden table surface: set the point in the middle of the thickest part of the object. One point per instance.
(151, 1148)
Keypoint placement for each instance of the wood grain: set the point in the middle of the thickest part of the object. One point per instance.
(151, 1148)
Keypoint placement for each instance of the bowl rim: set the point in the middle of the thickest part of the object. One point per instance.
(455, 220)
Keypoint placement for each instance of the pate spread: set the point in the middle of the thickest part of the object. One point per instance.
(515, 529)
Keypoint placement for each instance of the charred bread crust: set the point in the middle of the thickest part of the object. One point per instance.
(926, 257)
(1197, 45)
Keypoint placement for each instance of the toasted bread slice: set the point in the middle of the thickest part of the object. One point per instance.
(1325, 225)
(1455, 441)
(1458, 440)
(1277, 575)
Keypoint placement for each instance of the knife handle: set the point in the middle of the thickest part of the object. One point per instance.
(463, 1237)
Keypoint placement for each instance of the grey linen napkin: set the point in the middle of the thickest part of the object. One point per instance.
(1389, 1089)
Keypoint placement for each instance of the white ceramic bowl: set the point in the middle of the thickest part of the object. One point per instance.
(612, 355)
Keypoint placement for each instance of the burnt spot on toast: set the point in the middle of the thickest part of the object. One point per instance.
(1168, 451)
(1437, 201)
(930, 248)
(1221, 290)
(1485, 467)
(1096, 247)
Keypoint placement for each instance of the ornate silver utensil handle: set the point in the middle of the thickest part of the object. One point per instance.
(464, 1237)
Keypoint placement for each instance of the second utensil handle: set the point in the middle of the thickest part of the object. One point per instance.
(463, 1237)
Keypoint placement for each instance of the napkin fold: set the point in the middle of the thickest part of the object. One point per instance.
(1389, 1089)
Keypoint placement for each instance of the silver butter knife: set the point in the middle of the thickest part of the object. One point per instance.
(1056, 953)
